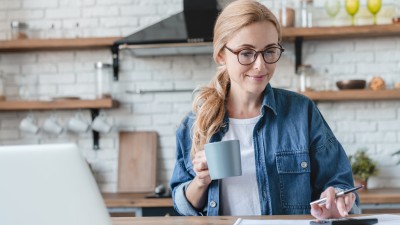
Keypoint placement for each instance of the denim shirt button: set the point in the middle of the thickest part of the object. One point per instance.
(213, 204)
(303, 165)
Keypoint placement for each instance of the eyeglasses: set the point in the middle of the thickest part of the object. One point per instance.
(270, 55)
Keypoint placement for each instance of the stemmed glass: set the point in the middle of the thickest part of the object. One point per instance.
(352, 7)
(332, 8)
(374, 6)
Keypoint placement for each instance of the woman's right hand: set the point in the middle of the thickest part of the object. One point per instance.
(200, 167)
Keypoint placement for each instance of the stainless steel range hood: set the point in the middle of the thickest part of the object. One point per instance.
(187, 32)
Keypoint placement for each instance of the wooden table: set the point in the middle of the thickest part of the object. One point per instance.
(202, 220)
(382, 200)
(197, 220)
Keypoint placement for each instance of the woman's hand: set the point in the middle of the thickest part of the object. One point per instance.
(334, 207)
(196, 192)
(200, 167)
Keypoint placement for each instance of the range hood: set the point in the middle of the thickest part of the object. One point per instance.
(187, 32)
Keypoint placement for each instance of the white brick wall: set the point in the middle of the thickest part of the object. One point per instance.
(365, 124)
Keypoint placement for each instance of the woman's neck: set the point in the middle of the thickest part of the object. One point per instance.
(243, 106)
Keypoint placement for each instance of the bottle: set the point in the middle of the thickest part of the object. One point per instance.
(306, 13)
(103, 79)
(305, 79)
(286, 13)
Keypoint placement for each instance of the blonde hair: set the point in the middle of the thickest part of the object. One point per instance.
(209, 103)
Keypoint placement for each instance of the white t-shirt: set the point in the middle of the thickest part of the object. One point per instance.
(239, 195)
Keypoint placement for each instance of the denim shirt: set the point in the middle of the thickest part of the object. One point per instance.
(297, 158)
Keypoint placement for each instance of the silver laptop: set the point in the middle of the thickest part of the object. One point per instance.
(47, 185)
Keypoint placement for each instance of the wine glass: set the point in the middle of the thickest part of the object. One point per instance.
(352, 7)
(332, 8)
(374, 6)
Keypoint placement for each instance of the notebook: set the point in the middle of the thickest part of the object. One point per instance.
(48, 184)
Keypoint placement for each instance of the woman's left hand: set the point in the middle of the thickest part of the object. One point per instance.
(334, 207)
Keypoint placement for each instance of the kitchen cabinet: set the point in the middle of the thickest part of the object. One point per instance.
(380, 200)
(138, 204)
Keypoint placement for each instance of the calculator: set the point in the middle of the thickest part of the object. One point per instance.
(345, 221)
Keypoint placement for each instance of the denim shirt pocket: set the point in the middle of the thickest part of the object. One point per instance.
(294, 181)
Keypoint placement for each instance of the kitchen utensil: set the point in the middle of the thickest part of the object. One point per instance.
(223, 159)
(52, 126)
(101, 124)
(351, 84)
(78, 124)
(137, 162)
(29, 125)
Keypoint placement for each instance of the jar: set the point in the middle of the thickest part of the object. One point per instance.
(18, 30)
(305, 77)
(28, 87)
(286, 13)
(306, 13)
(103, 79)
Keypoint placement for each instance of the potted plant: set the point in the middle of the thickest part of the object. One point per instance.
(363, 167)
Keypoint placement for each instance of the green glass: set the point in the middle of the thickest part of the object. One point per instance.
(352, 7)
(374, 6)
(332, 8)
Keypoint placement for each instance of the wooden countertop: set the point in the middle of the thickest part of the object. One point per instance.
(125, 200)
(380, 196)
(122, 200)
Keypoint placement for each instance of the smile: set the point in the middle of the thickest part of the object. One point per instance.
(256, 77)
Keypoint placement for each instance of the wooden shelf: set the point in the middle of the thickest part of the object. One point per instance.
(57, 104)
(353, 95)
(55, 44)
(341, 31)
(287, 34)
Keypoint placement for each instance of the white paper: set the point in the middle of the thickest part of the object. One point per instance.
(271, 222)
(383, 219)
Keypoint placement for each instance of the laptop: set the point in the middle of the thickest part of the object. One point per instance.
(48, 184)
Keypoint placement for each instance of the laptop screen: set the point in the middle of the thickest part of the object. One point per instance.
(48, 184)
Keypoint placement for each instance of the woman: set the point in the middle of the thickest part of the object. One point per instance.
(290, 156)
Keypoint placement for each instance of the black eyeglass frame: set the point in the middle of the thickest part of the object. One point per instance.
(256, 54)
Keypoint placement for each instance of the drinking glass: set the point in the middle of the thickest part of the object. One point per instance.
(332, 8)
(374, 6)
(352, 7)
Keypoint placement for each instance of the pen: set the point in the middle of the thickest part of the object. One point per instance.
(323, 200)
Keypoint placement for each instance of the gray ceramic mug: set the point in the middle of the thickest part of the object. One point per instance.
(223, 159)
